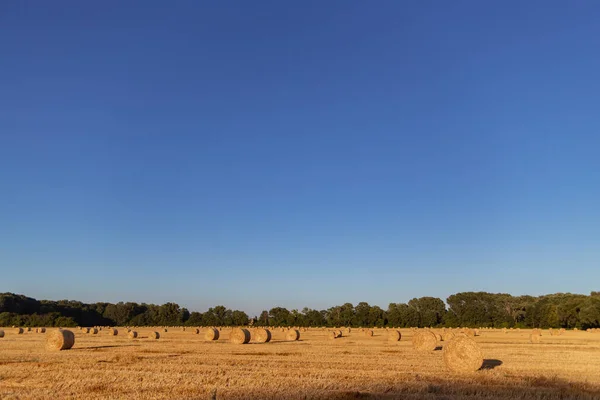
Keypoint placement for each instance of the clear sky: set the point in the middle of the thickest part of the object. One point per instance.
(311, 153)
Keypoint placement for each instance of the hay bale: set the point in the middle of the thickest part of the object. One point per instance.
(19, 331)
(369, 332)
(240, 336)
(394, 336)
(332, 335)
(462, 354)
(292, 335)
(28, 329)
(113, 331)
(197, 331)
(1, 333)
(94, 331)
(133, 335)
(534, 338)
(154, 335)
(86, 330)
(448, 335)
(262, 335)
(165, 330)
(424, 341)
(60, 339)
(211, 334)
(42, 330)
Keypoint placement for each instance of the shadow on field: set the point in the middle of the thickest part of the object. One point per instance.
(522, 388)
(491, 364)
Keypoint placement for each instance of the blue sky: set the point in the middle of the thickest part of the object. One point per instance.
(257, 154)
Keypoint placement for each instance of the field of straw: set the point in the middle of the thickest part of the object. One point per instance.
(320, 365)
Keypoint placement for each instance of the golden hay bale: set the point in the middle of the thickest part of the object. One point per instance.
(537, 332)
(424, 341)
(292, 335)
(332, 335)
(42, 330)
(468, 332)
(113, 331)
(60, 339)
(132, 335)
(154, 335)
(211, 334)
(533, 338)
(1, 333)
(86, 330)
(262, 335)
(348, 330)
(369, 332)
(462, 354)
(394, 336)
(166, 330)
(448, 335)
(19, 331)
(197, 331)
(28, 329)
(94, 331)
(240, 336)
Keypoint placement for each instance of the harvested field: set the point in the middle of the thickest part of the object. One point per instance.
(184, 365)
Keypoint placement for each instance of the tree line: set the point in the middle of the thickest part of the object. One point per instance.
(466, 309)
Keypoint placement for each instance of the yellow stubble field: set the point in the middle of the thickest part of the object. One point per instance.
(182, 365)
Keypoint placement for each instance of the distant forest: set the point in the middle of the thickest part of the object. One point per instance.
(467, 309)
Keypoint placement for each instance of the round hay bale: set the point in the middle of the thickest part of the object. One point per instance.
(394, 336)
(369, 332)
(462, 354)
(60, 339)
(19, 331)
(438, 336)
(340, 333)
(211, 334)
(424, 341)
(86, 330)
(94, 331)
(1, 333)
(332, 335)
(165, 330)
(28, 329)
(533, 338)
(448, 335)
(42, 330)
(133, 335)
(239, 336)
(113, 331)
(262, 335)
(197, 331)
(292, 335)
(154, 335)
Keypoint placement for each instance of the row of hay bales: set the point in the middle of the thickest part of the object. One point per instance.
(64, 339)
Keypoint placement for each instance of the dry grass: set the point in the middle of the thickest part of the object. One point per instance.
(183, 365)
